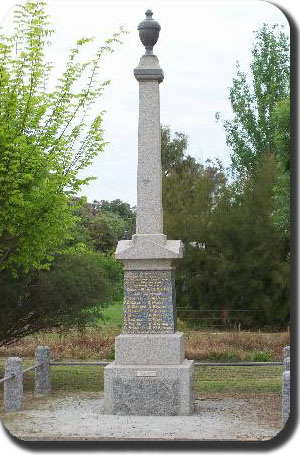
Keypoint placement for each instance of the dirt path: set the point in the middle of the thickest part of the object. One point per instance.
(82, 417)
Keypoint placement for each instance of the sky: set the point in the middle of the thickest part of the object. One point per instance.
(199, 44)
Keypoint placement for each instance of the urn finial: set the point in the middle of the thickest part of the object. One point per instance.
(149, 31)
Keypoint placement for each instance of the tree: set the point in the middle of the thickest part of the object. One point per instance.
(70, 294)
(258, 135)
(106, 230)
(245, 252)
(190, 189)
(281, 138)
(100, 225)
(120, 209)
(233, 253)
(253, 99)
(46, 138)
(173, 149)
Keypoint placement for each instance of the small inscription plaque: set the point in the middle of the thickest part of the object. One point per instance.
(146, 374)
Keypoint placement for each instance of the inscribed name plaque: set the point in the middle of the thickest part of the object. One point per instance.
(149, 301)
(146, 374)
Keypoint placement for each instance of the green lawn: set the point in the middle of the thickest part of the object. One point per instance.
(98, 343)
(112, 316)
(63, 380)
(208, 380)
(252, 380)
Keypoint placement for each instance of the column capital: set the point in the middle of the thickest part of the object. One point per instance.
(148, 69)
(149, 75)
(144, 247)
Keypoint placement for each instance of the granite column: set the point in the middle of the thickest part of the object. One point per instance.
(150, 375)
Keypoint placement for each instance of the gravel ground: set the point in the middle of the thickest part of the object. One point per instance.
(82, 417)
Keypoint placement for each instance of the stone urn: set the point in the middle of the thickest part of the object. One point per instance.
(149, 31)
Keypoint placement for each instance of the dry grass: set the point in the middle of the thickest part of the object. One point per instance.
(91, 344)
(236, 346)
(203, 346)
(99, 344)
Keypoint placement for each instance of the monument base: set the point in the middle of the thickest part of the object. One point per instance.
(149, 389)
(149, 349)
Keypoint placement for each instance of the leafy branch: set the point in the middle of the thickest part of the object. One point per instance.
(46, 137)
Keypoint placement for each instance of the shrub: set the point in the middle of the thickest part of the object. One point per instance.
(260, 356)
(68, 295)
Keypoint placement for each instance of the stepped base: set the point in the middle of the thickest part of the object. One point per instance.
(149, 389)
(150, 349)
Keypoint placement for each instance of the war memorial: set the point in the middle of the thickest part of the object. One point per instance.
(150, 375)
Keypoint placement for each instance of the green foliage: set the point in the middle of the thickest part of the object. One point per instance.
(281, 131)
(187, 186)
(122, 211)
(227, 355)
(260, 129)
(71, 293)
(260, 356)
(100, 225)
(111, 355)
(261, 122)
(181, 325)
(116, 206)
(281, 137)
(46, 138)
(249, 133)
(233, 253)
(174, 149)
(114, 273)
(106, 229)
(112, 316)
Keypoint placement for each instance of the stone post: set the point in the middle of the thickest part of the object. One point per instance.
(286, 386)
(13, 388)
(286, 357)
(42, 384)
(150, 375)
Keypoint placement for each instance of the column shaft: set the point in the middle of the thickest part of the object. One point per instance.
(149, 184)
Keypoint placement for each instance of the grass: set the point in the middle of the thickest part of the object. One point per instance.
(208, 381)
(65, 379)
(238, 380)
(93, 344)
(112, 316)
(236, 346)
(98, 343)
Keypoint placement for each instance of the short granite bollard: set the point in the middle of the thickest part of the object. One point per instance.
(13, 387)
(42, 384)
(286, 357)
(286, 386)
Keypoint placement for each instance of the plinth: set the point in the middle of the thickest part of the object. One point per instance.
(150, 375)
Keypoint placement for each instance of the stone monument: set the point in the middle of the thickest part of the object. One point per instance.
(150, 375)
